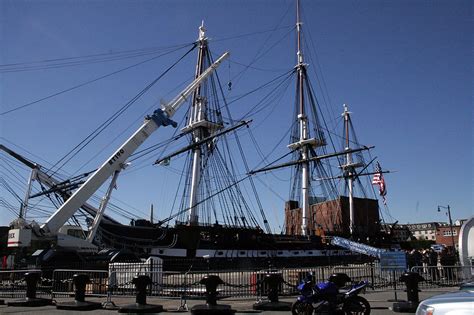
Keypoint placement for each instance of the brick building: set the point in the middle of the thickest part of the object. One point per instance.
(443, 235)
(332, 217)
(438, 232)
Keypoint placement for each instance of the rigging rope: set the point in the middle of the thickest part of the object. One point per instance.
(45, 210)
(104, 125)
(262, 213)
(123, 52)
(85, 83)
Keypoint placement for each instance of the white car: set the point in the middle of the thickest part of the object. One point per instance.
(453, 303)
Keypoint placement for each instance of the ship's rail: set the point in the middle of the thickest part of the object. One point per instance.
(237, 283)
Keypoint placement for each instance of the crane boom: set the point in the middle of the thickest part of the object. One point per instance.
(160, 117)
(50, 181)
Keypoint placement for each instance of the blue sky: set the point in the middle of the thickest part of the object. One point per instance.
(403, 67)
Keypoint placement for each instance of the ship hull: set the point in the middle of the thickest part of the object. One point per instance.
(223, 247)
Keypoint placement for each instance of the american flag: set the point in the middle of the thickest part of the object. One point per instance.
(378, 180)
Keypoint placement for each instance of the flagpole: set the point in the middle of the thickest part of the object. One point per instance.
(380, 181)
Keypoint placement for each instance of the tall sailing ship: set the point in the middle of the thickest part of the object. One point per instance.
(214, 219)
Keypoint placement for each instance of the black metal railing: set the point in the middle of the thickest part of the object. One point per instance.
(244, 283)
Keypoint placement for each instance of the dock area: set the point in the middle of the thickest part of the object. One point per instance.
(380, 301)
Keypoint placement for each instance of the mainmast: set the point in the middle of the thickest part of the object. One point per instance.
(199, 127)
(304, 143)
(350, 167)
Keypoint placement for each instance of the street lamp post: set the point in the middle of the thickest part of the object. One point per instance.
(450, 225)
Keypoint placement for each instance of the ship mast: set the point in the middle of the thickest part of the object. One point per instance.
(349, 168)
(198, 126)
(304, 142)
(195, 114)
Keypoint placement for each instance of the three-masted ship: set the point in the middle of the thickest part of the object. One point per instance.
(214, 220)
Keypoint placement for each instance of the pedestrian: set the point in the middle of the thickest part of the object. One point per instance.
(417, 258)
(410, 259)
(424, 260)
(447, 262)
(432, 264)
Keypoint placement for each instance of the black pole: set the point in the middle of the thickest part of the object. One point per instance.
(451, 229)
(394, 285)
(452, 234)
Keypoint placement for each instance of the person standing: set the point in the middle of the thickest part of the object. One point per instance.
(433, 265)
(425, 260)
(447, 261)
(417, 258)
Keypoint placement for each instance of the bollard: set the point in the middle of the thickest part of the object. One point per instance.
(79, 304)
(31, 279)
(141, 283)
(211, 283)
(80, 282)
(211, 308)
(411, 280)
(273, 282)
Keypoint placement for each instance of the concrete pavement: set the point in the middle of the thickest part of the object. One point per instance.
(379, 301)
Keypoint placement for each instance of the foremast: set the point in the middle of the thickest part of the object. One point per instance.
(199, 127)
(304, 143)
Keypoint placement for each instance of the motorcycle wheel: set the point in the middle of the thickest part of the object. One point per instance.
(301, 308)
(356, 305)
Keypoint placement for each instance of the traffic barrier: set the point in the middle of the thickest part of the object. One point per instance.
(237, 283)
(63, 286)
(31, 279)
(13, 285)
(444, 276)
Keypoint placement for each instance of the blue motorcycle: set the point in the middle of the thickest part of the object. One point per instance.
(328, 298)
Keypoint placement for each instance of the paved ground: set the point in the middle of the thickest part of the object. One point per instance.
(379, 301)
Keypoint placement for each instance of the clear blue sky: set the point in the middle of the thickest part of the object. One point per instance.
(403, 67)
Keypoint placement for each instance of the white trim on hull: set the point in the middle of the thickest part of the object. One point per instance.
(242, 253)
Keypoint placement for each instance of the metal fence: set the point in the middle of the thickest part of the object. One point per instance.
(118, 280)
(434, 276)
(62, 282)
(379, 278)
(444, 276)
(13, 285)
